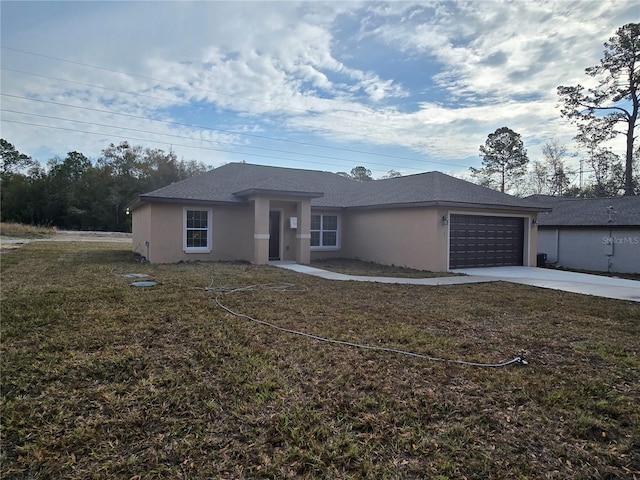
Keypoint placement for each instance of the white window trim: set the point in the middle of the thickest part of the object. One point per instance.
(206, 249)
(338, 234)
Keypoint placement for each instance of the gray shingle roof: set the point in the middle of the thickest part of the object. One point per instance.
(437, 189)
(231, 184)
(580, 212)
(223, 184)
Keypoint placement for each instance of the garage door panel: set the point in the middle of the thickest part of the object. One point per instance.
(481, 241)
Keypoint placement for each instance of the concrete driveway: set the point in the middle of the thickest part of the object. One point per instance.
(597, 285)
(586, 284)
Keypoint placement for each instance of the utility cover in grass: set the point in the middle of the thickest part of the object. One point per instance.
(148, 283)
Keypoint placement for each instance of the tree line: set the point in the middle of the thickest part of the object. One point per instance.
(506, 167)
(78, 194)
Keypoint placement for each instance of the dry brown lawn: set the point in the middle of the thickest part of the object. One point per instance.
(103, 380)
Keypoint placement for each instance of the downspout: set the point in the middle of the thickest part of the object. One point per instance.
(612, 251)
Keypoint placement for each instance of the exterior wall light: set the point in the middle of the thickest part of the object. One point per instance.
(445, 220)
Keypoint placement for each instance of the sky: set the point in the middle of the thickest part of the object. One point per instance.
(403, 86)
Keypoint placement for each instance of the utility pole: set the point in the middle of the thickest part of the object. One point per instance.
(581, 160)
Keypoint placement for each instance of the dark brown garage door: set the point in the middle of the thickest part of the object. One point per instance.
(483, 241)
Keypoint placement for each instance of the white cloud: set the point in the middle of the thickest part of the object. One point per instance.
(274, 66)
(519, 48)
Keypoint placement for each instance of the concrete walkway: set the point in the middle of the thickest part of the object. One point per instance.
(601, 286)
(453, 280)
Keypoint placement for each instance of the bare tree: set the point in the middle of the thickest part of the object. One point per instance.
(536, 180)
(392, 174)
(606, 167)
(557, 179)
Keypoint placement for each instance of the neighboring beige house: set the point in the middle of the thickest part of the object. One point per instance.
(239, 211)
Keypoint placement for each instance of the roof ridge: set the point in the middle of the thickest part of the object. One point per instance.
(276, 167)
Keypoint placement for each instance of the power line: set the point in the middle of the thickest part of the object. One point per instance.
(75, 82)
(186, 85)
(127, 137)
(232, 132)
(181, 102)
(191, 138)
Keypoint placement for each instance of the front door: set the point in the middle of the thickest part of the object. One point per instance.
(274, 235)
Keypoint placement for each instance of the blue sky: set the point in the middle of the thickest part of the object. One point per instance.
(405, 86)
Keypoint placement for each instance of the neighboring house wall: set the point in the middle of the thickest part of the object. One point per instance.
(589, 248)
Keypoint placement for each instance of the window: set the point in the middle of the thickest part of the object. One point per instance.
(197, 231)
(324, 232)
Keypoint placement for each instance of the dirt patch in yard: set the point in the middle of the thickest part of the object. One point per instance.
(80, 236)
(8, 243)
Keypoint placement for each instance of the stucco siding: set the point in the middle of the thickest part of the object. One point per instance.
(232, 233)
(587, 249)
(408, 237)
(411, 237)
(548, 243)
(141, 228)
(415, 237)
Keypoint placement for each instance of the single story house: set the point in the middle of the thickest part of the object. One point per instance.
(597, 234)
(256, 213)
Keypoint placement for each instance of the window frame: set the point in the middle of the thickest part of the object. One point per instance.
(322, 231)
(209, 229)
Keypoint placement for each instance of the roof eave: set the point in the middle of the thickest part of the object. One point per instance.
(144, 199)
(449, 204)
